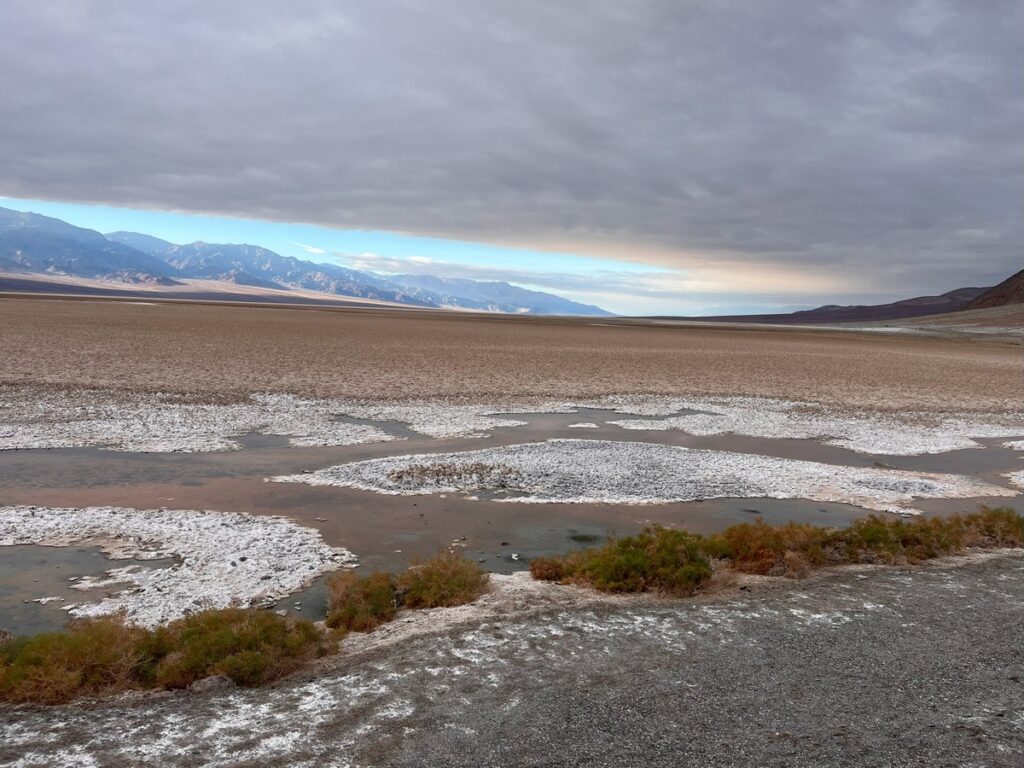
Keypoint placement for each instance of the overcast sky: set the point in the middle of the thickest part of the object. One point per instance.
(760, 153)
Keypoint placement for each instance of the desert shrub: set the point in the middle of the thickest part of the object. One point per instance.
(677, 562)
(251, 647)
(999, 527)
(761, 548)
(94, 656)
(657, 559)
(549, 568)
(360, 603)
(445, 580)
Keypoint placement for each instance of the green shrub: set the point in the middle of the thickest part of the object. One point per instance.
(657, 559)
(677, 562)
(97, 657)
(250, 647)
(445, 580)
(360, 604)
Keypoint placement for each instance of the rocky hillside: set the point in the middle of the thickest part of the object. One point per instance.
(1010, 291)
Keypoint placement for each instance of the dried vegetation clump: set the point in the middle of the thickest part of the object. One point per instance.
(363, 603)
(475, 474)
(664, 560)
(103, 656)
(655, 560)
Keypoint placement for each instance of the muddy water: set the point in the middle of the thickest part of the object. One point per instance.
(29, 572)
(387, 532)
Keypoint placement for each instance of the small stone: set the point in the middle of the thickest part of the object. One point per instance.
(212, 683)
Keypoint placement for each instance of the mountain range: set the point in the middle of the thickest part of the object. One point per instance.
(34, 244)
(1010, 291)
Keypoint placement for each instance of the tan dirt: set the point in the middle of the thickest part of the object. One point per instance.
(214, 351)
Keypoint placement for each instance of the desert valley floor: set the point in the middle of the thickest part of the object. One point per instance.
(159, 456)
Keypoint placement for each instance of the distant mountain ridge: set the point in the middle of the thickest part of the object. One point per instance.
(490, 295)
(1010, 291)
(39, 244)
(34, 244)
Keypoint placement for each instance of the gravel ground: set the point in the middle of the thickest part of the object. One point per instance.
(861, 667)
(216, 352)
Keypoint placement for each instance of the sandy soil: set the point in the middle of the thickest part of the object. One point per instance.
(217, 351)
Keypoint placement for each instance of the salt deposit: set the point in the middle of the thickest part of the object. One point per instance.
(897, 434)
(32, 418)
(140, 422)
(585, 471)
(221, 558)
(440, 420)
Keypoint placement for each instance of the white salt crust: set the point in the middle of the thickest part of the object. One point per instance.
(221, 558)
(1017, 478)
(1015, 445)
(599, 471)
(151, 423)
(896, 434)
(139, 422)
(585, 425)
(901, 433)
(441, 420)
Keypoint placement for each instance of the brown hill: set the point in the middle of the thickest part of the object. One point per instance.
(1010, 291)
(897, 310)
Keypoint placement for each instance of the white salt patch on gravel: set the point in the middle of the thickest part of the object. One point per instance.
(1015, 445)
(585, 425)
(441, 420)
(598, 471)
(1017, 478)
(32, 418)
(223, 558)
(896, 434)
(152, 423)
(890, 433)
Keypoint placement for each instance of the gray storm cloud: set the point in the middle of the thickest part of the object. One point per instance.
(866, 142)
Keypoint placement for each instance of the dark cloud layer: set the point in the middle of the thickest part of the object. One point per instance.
(867, 144)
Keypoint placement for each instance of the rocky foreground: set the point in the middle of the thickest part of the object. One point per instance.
(858, 667)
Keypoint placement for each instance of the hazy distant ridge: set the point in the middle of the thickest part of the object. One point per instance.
(35, 244)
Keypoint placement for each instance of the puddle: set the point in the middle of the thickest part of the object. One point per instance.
(29, 572)
(388, 532)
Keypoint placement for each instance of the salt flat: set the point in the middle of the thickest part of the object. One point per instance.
(214, 352)
(602, 471)
(223, 559)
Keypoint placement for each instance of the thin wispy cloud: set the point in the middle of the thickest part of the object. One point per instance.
(312, 249)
